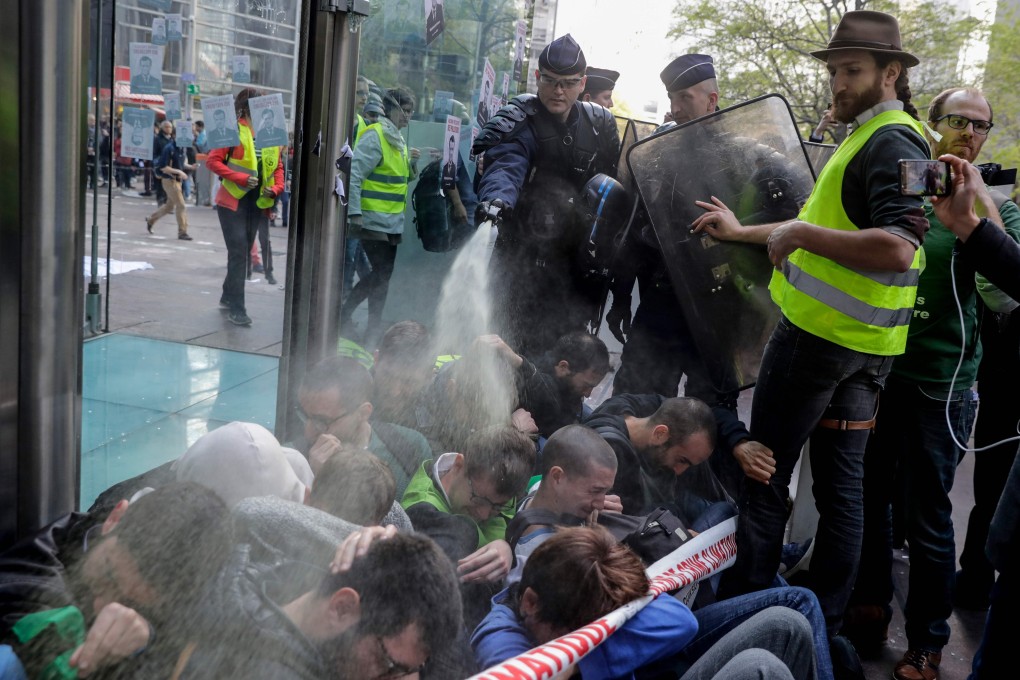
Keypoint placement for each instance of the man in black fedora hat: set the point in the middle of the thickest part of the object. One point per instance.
(599, 84)
(846, 279)
(539, 151)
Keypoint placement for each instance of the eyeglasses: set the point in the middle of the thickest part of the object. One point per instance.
(561, 83)
(393, 669)
(498, 508)
(957, 122)
(408, 112)
(319, 423)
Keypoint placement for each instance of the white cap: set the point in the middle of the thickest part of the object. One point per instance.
(241, 460)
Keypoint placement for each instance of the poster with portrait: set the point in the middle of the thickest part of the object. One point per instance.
(174, 27)
(485, 94)
(505, 94)
(240, 66)
(522, 30)
(471, 151)
(185, 135)
(434, 21)
(220, 121)
(442, 105)
(450, 151)
(146, 63)
(172, 105)
(136, 133)
(158, 31)
(268, 120)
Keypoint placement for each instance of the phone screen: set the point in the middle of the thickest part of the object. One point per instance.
(925, 178)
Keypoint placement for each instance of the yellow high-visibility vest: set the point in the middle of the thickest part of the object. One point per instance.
(385, 190)
(248, 164)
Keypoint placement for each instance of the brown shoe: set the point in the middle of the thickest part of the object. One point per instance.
(867, 626)
(918, 664)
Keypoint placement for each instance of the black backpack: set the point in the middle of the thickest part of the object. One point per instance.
(432, 211)
(651, 537)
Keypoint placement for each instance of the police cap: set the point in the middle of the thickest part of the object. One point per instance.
(687, 70)
(562, 57)
(600, 79)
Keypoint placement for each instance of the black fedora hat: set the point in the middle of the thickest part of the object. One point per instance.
(867, 30)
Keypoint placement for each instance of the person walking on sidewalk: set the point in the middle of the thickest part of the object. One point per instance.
(171, 169)
(250, 181)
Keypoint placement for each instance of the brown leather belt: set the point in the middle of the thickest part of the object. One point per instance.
(834, 424)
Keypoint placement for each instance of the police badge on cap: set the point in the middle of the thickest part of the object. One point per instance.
(685, 71)
(562, 57)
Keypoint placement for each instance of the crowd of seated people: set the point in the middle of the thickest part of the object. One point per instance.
(411, 532)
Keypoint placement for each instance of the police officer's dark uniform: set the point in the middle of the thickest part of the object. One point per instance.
(659, 348)
(534, 168)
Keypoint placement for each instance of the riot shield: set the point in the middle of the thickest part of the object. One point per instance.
(631, 132)
(750, 156)
(819, 154)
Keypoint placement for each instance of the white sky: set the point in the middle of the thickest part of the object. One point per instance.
(628, 36)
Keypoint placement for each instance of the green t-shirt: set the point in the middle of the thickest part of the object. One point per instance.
(934, 338)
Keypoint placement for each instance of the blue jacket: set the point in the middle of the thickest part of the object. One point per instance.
(171, 155)
(660, 630)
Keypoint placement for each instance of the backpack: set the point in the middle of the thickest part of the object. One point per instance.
(651, 537)
(431, 210)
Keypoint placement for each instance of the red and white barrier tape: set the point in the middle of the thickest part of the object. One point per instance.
(699, 557)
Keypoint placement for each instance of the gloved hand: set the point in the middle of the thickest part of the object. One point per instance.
(618, 319)
(495, 210)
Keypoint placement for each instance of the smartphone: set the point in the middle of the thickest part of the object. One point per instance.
(925, 178)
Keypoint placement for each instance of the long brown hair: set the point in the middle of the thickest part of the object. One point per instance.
(241, 101)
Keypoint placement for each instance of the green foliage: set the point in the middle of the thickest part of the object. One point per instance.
(765, 47)
(1002, 85)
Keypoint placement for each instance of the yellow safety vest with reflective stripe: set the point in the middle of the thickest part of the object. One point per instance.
(359, 127)
(385, 190)
(248, 164)
(866, 311)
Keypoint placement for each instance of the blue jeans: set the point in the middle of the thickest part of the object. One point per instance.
(803, 379)
(718, 619)
(355, 260)
(912, 439)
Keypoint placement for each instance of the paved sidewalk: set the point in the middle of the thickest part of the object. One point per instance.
(178, 299)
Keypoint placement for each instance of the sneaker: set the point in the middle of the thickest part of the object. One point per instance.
(918, 664)
(257, 268)
(224, 304)
(239, 318)
(184, 237)
(148, 225)
(270, 280)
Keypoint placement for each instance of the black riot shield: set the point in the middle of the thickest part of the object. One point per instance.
(819, 154)
(750, 156)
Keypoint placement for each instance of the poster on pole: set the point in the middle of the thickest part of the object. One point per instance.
(434, 21)
(174, 27)
(184, 134)
(172, 105)
(471, 152)
(485, 95)
(136, 131)
(267, 117)
(522, 30)
(220, 121)
(158, 31)
(146, 68)
(450, 151)
(240, 66)
(505, 95)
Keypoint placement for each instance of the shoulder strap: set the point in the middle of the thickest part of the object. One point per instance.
(505, 123)
(526, 518)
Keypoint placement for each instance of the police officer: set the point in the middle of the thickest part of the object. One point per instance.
(538, 153)
(659, 349)
(599, 85)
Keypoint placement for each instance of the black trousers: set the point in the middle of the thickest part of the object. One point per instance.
(239, 228)
(375, 286)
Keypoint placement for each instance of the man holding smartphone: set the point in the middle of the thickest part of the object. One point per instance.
(912, 437)
(846, 278)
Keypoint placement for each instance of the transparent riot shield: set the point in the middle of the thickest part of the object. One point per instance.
(819, 154)
(631, 132)
(750, 156)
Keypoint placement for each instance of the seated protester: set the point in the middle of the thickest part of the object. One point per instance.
(471, 393)
(135, 577)
(355, 486)
(243, 460)
(335, 407)
(578, 469)
(463, 501)
(403, 369)
(581, 574)
(661, 444)
(384, 609)
(554, 389)
(237, 460)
